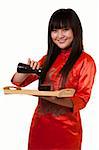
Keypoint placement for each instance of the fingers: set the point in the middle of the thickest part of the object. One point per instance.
(29, 61)
(33, 64)
(38, 66)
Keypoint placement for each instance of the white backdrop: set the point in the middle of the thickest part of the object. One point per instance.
(23, 34)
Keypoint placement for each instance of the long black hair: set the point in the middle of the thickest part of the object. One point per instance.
(63, 18)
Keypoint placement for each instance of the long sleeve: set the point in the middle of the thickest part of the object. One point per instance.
(31, 77)
(85, 83)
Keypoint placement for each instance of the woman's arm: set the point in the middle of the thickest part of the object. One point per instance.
(19, 78)
(83, 92)
(60, 101)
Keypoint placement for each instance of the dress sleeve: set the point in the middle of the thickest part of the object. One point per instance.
(85, 83)
(31, 77)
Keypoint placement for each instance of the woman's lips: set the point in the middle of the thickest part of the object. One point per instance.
(61, 41)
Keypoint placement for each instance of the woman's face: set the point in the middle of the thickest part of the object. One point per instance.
(62, 37)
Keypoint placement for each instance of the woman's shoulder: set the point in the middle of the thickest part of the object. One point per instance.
(87, 57)
(85, 60)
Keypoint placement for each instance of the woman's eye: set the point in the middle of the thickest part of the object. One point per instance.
(54, 30)
(65, 29)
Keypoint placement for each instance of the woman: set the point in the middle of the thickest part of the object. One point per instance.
(56, 124)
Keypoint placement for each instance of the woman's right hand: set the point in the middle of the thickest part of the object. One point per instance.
(20, 77)
(33, 64)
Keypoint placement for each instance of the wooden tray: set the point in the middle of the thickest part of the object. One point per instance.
(68, 92)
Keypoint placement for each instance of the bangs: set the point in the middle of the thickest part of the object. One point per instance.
(60, 20)
(59, 23)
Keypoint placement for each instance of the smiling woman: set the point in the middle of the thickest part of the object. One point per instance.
(62, 37)
(56, 123)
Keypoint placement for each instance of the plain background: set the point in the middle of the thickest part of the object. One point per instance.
(23, 34)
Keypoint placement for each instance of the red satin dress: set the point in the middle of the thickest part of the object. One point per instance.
(56, 127)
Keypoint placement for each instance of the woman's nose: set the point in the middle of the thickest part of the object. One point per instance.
(60, 34)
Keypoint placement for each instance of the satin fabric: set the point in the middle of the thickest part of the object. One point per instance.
(56, 127)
